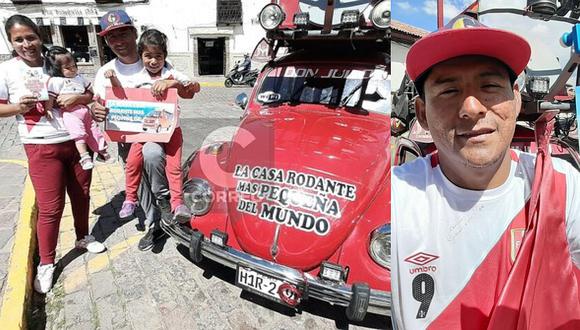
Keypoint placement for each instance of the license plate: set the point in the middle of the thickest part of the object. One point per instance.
(262, 284)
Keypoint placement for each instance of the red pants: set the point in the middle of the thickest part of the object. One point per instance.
(54, 168)
(134, 167)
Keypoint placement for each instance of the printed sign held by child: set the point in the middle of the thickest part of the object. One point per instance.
(137, 116)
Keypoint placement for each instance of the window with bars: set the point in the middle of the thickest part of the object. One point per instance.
(229, 12)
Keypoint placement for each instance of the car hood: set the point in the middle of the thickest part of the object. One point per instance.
(302, 180)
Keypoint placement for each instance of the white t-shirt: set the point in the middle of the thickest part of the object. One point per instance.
(134, 76)
(443, 234)
(63, 85)
(33, 127)
(145, 80)
(128, 74)
(166, 74)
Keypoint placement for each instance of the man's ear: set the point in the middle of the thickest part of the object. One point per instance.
(420, 113)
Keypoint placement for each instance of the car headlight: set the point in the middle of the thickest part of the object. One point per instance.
(380, 246)
(198, 196)
(215, 148)
(381, 15)
(271, 17)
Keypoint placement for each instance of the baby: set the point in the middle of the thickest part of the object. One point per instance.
(64, 79)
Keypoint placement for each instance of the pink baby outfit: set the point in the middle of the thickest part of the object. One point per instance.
(77, 119)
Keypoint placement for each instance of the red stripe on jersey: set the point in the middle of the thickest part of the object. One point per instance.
(540, 290)
(32, 117)
(514, 156)
(434, 159)
(472, 307)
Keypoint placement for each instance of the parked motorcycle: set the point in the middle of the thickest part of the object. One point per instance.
(237, 76)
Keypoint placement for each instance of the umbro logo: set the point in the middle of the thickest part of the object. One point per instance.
(421, 258)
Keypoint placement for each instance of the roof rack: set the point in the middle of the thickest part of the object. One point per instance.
(307, 24)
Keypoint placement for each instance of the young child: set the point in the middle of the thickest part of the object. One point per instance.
(152, 49)
(62, 68)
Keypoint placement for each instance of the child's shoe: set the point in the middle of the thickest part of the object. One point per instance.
(104, 157)
(90, 244)
(86, 161)
(182, 214)
(127, 209)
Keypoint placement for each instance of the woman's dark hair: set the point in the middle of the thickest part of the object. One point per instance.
(152, 37)
(52, 66)
(21, 20)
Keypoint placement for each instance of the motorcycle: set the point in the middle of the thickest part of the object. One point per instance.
(236, 76)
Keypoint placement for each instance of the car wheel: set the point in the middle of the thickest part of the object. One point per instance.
(228, 83)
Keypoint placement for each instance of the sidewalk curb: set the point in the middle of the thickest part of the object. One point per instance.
(20, 270)
(212, 84)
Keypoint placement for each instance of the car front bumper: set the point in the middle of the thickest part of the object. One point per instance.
(312, 287)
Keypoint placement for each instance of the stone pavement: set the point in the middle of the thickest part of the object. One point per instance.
(125, 288)
(12, 177)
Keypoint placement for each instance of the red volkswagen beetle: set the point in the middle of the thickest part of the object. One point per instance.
(297, 203)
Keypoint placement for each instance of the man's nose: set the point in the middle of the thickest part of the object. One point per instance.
(116, 41)
(472, 108)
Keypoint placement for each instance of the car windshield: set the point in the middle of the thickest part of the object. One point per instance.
(366, 89)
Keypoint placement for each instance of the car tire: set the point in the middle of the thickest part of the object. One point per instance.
(228, 83)
(359, 303)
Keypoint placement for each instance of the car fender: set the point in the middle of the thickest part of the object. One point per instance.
(354, 252)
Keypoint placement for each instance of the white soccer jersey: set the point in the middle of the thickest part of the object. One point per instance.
(33, 126)
(453, 248)
(131, 76)
(63, 85)
(145, 80)
(128, 74)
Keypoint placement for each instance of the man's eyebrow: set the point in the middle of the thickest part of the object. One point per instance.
(443, 80)
(485, 74)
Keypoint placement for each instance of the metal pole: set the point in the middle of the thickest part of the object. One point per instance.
(439, 14)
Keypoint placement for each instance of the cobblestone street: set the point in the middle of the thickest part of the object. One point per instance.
(125, 288)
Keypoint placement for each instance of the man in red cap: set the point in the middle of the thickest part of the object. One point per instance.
(482, 237)
(120, 34)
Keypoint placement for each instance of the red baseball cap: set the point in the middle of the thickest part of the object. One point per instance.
(465, 35)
